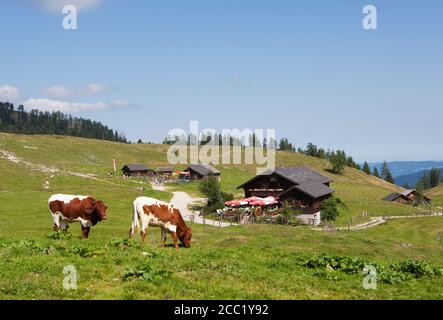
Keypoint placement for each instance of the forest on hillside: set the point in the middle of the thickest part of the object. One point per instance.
(37, 122)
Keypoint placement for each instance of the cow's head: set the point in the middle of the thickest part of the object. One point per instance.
(101, 210)
(186, 237)
(96, 210)
(184, 233)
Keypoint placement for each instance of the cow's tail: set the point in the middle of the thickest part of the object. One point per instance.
(135, 222)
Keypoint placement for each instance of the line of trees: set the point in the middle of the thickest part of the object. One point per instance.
(385, 172)
(38, 122)
(430, 179)
(222, 140)
(338, 159)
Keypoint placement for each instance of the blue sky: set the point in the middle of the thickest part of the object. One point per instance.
(306, 68)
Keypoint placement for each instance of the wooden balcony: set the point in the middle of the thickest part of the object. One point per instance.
(263, 193)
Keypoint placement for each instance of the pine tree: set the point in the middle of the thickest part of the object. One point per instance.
(389, 178)
(311, 150)
(338, 162)
(285, 145)
(376, 173)
(435, 177)
(366, 168)
(430, 179)
(386, 173)
(425, 181)
(351, 163)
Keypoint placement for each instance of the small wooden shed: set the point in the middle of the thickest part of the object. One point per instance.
(165, 171)
(136, 170)
(199, 171)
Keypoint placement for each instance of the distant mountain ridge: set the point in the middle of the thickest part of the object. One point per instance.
(408, 172)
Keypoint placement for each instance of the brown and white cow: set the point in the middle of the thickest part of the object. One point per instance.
(152, 212)
(66, 209)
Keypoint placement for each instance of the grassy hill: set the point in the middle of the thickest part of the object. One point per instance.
(436, 194)
(258, 261)
(359, 191)
(437, 191)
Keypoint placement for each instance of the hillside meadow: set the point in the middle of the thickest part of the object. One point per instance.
(241, 262)
(436, 194)
(358, 190)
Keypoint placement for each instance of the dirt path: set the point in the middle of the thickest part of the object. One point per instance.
(373, 223)
(182, 201)
(376, 221)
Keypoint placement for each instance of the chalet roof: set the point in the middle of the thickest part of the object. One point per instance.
(394, 196)
(164, 169)
(407, 192)
(297, 175)
(136, 167)
(313, 189)
(204, 169)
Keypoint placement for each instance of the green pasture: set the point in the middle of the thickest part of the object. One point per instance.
(243, 262)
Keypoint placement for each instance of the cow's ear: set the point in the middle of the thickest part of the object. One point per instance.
(90, 205)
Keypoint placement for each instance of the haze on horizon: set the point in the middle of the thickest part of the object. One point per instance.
(307, 69)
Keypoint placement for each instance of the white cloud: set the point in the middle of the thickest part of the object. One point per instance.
(60, 91)
(63, 106)
(94, 88)
(56, 6)
(120, 103)
(9, 93)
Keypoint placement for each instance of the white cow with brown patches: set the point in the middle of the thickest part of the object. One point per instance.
(156, 213)
(66, 209)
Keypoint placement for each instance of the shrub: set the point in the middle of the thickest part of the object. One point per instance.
(210, 187)
(85, 252)
(227, 196)
(331, 208)
(394, 273)
(123, 243)
(59, 235)
(417, 269)
(147, 273)
(30, 246)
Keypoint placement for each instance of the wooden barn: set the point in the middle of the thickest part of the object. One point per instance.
(165, 171)
(199, 171)
(298, 188)
(136, 170)
(406, 197)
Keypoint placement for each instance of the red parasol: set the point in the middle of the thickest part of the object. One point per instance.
(253, 201)
(236, 203)
(264, 201)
